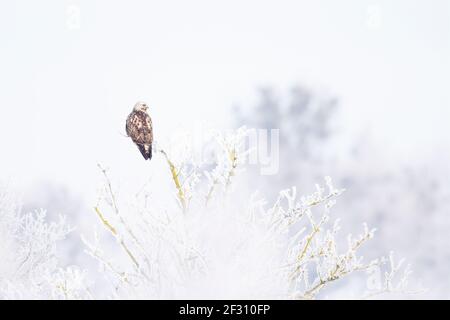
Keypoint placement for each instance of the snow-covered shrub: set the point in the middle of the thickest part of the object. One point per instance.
(407, 201)
(207, 237)
(213, 239)
(29, 267)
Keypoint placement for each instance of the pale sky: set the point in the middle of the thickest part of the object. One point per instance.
(66, 88)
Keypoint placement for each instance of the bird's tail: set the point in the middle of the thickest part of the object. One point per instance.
(146, 151)
(149, 152)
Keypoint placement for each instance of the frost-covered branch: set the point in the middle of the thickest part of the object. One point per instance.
(30, 267)
(229, 243)
(292, 239)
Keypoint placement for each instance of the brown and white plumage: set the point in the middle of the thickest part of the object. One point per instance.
(139, 129)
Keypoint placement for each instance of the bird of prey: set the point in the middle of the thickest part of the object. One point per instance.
(139, 129)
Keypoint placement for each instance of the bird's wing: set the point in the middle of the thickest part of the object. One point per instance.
(127, 125)
(149, 129)
(139, 128)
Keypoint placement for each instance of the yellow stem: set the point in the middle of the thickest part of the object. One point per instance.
(115, 234)
(105, 222)
(176, 180)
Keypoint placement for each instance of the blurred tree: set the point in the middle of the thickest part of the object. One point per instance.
(305, 124)
(410, 204)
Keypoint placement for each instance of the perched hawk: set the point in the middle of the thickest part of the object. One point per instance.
(139, 129)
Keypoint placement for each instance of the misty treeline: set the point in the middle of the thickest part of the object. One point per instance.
(409, 203)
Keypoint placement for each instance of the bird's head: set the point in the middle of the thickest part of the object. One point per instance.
(140, 106)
